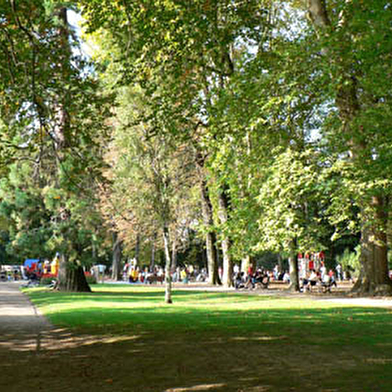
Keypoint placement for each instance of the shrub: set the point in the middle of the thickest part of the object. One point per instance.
(90, 279)
(350, 260)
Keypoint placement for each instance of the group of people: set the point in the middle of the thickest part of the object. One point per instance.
(320, 278)
(251, 279)
(135, 274)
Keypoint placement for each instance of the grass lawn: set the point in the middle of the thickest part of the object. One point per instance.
(128, 339)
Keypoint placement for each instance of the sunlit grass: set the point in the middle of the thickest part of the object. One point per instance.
(282, 331)
(117, 308)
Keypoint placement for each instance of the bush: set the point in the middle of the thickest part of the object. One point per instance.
(90, 279)
(350, 260)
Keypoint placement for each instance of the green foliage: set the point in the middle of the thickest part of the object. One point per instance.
(293, 123)
(91, 279)
(53, 121)
(350, 261)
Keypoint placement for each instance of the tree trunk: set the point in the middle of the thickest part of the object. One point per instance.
(212, 259)
(280, 263)
(71, 277)
(137, 248)
(116, 261)
(227, 261)
(153, 249)
(293, 264)
(208, 220)
(374, 277)
(174, 252)
(246, 262)
(168, 280)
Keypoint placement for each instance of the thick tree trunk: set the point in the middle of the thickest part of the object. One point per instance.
(116, 260)
(168, 280)
(374, 276)
(71, 277)
(227, 260)
(293, 264)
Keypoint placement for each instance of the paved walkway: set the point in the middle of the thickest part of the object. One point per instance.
(17, 312)
(20, 322)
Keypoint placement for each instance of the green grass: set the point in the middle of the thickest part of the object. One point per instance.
(292, 334)
(115, 308)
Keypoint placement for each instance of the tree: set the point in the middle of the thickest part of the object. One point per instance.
(355, 45)
(50, 108)
(155, 170)
(184, 56)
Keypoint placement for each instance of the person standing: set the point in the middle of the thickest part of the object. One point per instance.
(339, 272)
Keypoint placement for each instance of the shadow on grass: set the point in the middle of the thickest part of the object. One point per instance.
(323, 327)
(151, 350)
(217, 342)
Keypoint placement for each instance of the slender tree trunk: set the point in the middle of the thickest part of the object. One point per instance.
(280, 263)
(153, 251)
(208, 220)
(293, 264)
(374, 277)
(227, 260)
(116, 260)
(246, 262)
(212, 259)
(168, 280)
(137, 248)
(174, 252)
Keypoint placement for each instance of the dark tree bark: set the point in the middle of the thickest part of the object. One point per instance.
(280, 263)
(71, 277)
(117, 255)
(137, 248)
(293, 263)
(211, 242)
(153, 251)
(374, 277)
